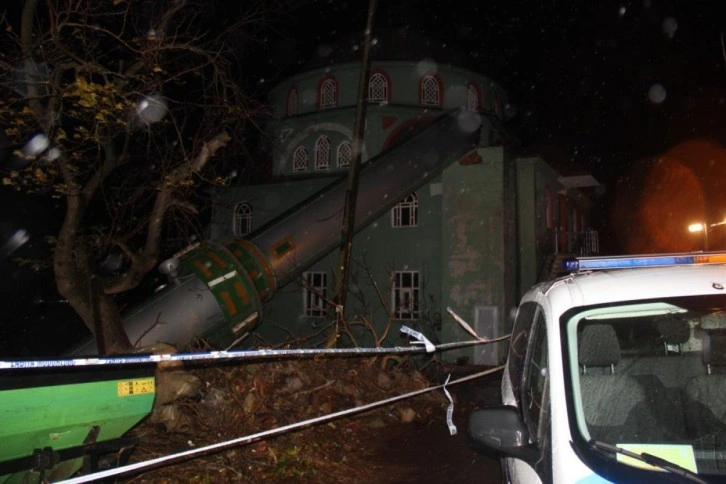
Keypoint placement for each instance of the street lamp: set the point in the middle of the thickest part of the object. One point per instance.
(703, 227)
(700, 227)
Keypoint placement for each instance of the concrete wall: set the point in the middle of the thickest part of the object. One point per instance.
(474, 258)
(458, 247)
(267, 201)
(481, 241)
(379, 250)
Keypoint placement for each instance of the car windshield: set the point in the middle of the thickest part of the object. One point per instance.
(651, 377)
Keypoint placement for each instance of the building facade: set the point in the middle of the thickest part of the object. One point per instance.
(472, 239)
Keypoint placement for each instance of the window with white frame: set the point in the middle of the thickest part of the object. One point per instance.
(242, 222)
(315, 287)
(291, 106)
(328, 93)
(300, 159)
(430, 91)
(378, 88)
(345, 154)
(405, 294)
(405, 213)
(472, 97)
(322, 153)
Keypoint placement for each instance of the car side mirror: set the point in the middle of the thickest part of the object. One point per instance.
(501, 429)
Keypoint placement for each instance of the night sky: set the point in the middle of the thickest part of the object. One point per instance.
(578, 73)
(594, 86)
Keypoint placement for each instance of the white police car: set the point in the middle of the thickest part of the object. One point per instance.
(616, 373)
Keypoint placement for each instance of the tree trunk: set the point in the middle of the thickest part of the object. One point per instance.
(96, 309)
(99, 313)
(77, 282)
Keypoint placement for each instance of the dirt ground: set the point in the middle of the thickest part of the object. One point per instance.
(404, 442)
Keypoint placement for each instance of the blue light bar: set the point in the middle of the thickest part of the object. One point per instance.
(576, 264)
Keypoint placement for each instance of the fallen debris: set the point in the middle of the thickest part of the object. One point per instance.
(236, 400)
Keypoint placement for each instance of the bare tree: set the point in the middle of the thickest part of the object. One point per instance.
(118, 107)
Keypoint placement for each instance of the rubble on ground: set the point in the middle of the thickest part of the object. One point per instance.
(205, 405)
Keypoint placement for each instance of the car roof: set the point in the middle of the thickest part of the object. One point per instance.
(603, 286)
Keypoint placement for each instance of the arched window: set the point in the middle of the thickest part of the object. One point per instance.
(473, 99)
(291, 104)
(328, 92)
(378, 88)
(405, 213)
(322, 153)
(345, 154)
(430, 90)
(242, 221)
(300, 159)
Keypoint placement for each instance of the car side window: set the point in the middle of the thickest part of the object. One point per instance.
(535, 402)
(519, 341)
(534, 381)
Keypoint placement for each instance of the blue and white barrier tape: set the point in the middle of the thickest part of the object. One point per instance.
(449, 409)
(421, 340)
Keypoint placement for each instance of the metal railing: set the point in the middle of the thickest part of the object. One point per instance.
(586, 242)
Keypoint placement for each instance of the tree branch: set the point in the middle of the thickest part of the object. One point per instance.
(147, 259)
(27, 35)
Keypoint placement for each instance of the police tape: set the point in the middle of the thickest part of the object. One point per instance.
(449, 409)
(420, 344)
(208, 449)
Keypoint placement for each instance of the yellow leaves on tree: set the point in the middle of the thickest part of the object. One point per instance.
(86, 92)
(20, 122)
(40, 176)
(12, 180)
(104, 100)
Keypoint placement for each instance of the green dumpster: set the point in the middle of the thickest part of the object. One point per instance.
(55, 423)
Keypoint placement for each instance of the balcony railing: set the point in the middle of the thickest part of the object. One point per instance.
(586, 242)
